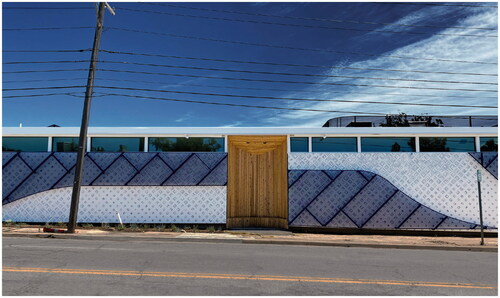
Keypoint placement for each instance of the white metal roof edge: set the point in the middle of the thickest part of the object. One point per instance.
(158, 131)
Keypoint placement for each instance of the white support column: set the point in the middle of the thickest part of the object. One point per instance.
(288, 144)
(146, 144)
(358, 142)
(49, 145)
(89, 146)
(310, 144)
(225, 143)
(478, 144)
(417, 144)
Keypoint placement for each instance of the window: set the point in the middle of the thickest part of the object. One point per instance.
(488, 144)
(334, 145)
(299, 144)
(447, 144)
(26, 144)
(379, 144)
(117, 144)
(186, 144)
(65, 144)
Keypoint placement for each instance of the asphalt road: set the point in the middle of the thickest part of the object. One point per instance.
(92, 267)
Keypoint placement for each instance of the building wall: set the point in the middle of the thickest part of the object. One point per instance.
(363, 190)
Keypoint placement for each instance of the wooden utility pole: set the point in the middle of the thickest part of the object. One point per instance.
(75, 196)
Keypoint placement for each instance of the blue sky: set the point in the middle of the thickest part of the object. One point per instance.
(424, 33)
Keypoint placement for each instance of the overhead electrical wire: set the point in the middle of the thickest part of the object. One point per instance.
(253, 96)
(242, 105)
(297, 99)
(293, 48)
(290, 64)
(56, 8)
(292, 74)
(435, 4)
(251, 71)
(256, 44)
(39, 95)
(256, 80)
(316, 19)
(257, 62)
(257, 89)
(299, 25)
(47, 28)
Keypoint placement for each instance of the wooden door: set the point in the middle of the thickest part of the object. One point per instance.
(257, 187)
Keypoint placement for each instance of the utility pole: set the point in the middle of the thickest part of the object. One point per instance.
(480, 206)
(75, 196)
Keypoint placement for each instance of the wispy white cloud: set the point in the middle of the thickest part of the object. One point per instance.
(438, 46)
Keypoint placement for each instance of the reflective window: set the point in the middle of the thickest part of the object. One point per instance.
(447, 144)
(387, 144)
(117, 144)
(334, 145)
(65, 144)
(488, 144)
(26, 144)
(186, 144)
(299, 144)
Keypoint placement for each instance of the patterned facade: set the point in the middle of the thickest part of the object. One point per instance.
(342, 190)
(443, 182)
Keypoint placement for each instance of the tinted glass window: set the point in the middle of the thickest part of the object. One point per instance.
(65, 144)
(299, 144)
(447, 144)
(117, 144)
(488, 144)
(334, 145)
(26, 144)
(186, 144)
(387, 144)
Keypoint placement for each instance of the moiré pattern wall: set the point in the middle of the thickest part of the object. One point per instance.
(445, 183)
(143, 187)
(358, 199)
(136, 204)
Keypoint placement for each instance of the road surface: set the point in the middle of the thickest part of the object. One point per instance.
(34, 266)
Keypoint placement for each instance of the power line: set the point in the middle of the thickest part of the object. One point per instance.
(41, 62)
(257, 80)
(317, 19)
(260, 89)
(260, 62)
(292, 74)
(241, 105)
(256, 97)
(253, 72)
(434, 4)
(47, 28)
(301, 91)
(44, 80)
(36, 8)
(49, 70)
(299, 25)
(39, 95)
(292, 82)
(293, 48)
(292, 65)
(42, 88)
(297, 99)
(46, 51)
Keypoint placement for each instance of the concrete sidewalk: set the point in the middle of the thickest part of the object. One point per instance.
(272, 237)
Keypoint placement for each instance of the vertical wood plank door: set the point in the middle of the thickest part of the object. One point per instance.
(257, 186)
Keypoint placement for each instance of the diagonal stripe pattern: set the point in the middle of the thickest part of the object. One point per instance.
(27, 173)
(358, 199)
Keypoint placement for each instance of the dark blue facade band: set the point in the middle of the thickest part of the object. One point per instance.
(28, 173)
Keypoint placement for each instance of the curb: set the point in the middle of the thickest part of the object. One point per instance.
(254, 241)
